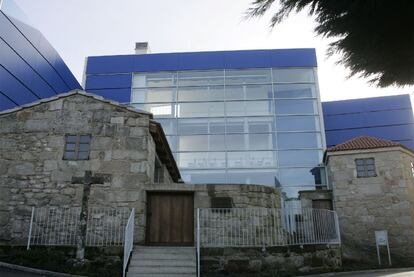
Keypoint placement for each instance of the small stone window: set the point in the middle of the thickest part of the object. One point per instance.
(77, 147)
(158, 172)
(365, 167)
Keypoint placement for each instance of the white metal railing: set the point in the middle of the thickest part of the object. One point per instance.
(254, 227)
(59, 226)
(128, 240)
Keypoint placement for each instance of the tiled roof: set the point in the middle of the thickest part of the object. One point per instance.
(364, 142)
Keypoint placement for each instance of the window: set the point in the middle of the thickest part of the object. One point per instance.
(77, 147)
(158, 172)
(365, 167)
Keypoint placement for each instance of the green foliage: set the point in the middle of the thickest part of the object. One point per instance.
(60, 259)
(375, 38)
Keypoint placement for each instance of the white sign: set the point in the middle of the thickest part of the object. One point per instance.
(381, 237)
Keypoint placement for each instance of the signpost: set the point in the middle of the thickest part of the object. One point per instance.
(381, 239)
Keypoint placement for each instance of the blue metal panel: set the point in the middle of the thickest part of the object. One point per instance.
(19, 69)
(118, 95)
(367, 104)
(13, 89)
(108, 81)
(30, 55)
(110, 64)
(29, 66)
(5, 103)
(389, 117)
(202, 61)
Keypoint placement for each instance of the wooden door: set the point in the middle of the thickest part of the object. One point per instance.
(170, 218)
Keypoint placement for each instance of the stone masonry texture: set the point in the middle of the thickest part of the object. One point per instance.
(383, 202)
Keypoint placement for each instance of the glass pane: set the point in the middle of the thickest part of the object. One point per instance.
(295, 91)
(69, 155)
(248, 76)
(212, 109)
(83, 155)
(154, 95)
(359, 162)
(201, 143)
(249, 108)
(260, 124)
(200, 78)
(258, 159)
(371, 167)
(158, 79)
(297, 123)
(172, 141)
(168, 125)
(254, 108)
(370, 161)
(200, 93)
(83, 147)
(192, 126)
(299, 176)
(158, 110)
(235, 125)
(262, 177)
(217, 126)
(298, 140)
(70, 146)
(71, 139)
(293, 75)
(85, 138)
(236, 142)
(204, 176)
(195, 160)
(371, 173)
(260, 142)
(295, 107)
(249, 92)
(300, 158)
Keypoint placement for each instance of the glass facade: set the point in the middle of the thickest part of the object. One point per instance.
(249, 126)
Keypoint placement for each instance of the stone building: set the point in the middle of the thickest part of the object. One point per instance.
(77, 150)
(373, 189)
(48, 149)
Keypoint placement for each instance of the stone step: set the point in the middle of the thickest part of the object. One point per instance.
(165, 250)
(161, 275)
(151, 256)
(162, 269)
(172, 262)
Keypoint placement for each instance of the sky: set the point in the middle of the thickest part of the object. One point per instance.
(81, 28)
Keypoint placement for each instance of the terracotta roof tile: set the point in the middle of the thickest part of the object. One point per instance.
(363, 142)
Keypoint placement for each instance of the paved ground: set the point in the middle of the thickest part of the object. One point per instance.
(5, 272)
(395, 273)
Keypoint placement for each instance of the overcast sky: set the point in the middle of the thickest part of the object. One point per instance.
(81, 28)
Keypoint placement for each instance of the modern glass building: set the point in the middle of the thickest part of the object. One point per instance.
(250, 117)
(30, 68)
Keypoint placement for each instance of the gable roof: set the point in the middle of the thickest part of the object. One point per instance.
(70, 93)
(363, 143)
(162, 147)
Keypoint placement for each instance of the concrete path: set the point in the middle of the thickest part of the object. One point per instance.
(372, 273)
(5, 272)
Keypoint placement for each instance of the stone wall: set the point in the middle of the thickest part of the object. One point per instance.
(384, 202)
(33, 173)
(272, 261)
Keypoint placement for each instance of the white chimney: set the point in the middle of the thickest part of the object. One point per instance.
(142, 48)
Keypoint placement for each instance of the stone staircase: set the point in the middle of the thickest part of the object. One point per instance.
(163, 262)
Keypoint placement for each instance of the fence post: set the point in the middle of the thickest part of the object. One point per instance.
(30, 229)
(198, 243)
(338, 231)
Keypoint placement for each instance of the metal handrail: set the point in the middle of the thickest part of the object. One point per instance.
(128, 241)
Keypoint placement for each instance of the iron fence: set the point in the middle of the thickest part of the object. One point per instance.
(128, 241)
(59, 226)
(254, 227)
